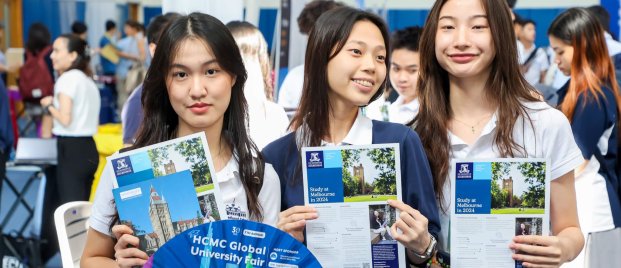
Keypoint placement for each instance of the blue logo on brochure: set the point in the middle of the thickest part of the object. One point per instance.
(314, 159)
(122, 166)
(464, 171)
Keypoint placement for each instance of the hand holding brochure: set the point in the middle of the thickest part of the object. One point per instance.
(349, 186)
(493, 201)
(166, 188)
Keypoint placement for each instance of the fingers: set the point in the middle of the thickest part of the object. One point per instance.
(126, 240)
(126, 256)
(537, 260)
(535, 239)
(526, 264)
(120, 229)
(293, 220)
(130, 257)
(537, 250)
(416, 215)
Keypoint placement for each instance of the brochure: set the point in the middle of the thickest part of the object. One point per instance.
(188, 153)
(233, 243)
(349, 186)
(493, 201)
(159, 209)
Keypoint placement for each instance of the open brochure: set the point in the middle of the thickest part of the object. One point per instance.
(151, 181)
(494, 200)
(349, 186)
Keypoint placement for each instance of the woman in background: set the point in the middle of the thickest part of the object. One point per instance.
(267, 121)
(590, 99)
(75, 110)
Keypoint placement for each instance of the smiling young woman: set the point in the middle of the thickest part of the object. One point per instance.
(345, 68)
(476, 104)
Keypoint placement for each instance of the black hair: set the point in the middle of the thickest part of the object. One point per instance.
(110, 25)
(408, 38)
(312, 11)
(78, 27)
(158, 24)
(80, 47)
(134, 24)
(38, 38)
(161, 121)
(511, 3)
(523, 22)
(602, 15)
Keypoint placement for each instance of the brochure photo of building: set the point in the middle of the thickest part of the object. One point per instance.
(159, 209)
(518, 187)
(369, 174)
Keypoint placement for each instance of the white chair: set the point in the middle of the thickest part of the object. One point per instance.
(71, 221)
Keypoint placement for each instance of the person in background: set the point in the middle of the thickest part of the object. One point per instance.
(590, 100)
(6, 133)
(602, 15)
(403, 74)
(536, 64)
(75, 110)
(79, 28)
(291, 89)
(267, 121)
(132, 114)
(131, 50)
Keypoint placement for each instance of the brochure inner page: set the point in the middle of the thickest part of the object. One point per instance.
(349, 186)
(493, 201)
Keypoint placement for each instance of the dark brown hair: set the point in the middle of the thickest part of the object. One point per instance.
(160, 121)
(325, 41)
(80, 47)
(312, 11)
(591, 66)
(505, 87)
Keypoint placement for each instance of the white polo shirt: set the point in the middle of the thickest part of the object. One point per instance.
(403, 113)
(231, 188)
(549, 137)
(85, 101)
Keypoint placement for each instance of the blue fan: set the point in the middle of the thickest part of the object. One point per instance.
(233, 243)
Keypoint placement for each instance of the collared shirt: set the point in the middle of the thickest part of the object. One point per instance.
(536, 66)
(234, 194)
(548, 137)
(361, 132)
(614, 46)
(403, 113)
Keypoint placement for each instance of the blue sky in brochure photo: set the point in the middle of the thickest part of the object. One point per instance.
(178, 191)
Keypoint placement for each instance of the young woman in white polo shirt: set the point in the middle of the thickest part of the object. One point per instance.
(75, 110)
(195, 83)
(475, 104)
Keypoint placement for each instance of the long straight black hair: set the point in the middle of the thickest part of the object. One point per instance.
(160, 121)
(325, 41)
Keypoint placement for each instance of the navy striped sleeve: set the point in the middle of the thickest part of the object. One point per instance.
(591, 119)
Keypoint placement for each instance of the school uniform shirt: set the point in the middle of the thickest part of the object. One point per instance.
(403, 113)
(594, 125)
(291, 88)
(85, 100)
(548, 137)
(416, 179)
(536, 66)
(231, 189)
